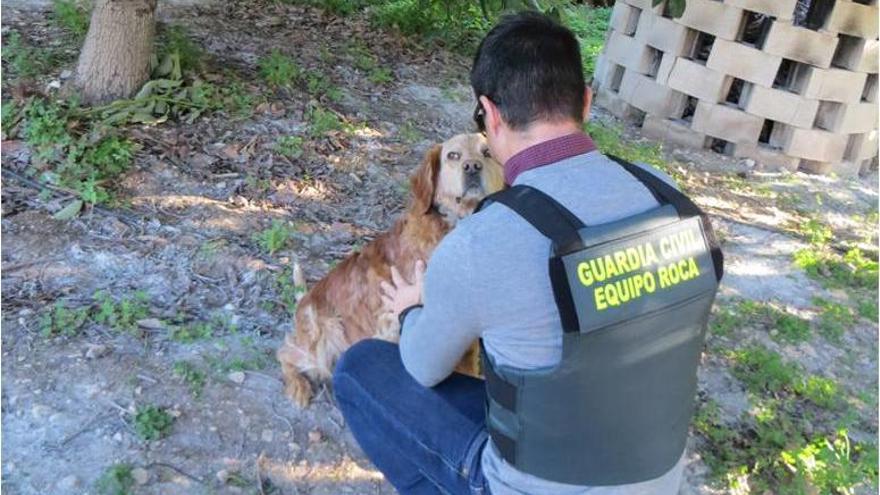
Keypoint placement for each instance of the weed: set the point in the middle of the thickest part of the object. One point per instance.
(609, 139)
(279, 69)
(72, 16)
(11, 114)
(61, 320)
(589, 26)
(762, 370)
(822, 392)
(460, 25)
(380, 75)
(782, 325)
(191, 376)
(868, 309)
(274, 238)
(818, 233)
(45, 130)
(287, 291)
(323, 121)
(24, 60)
(831, 465)
(290, 146)
(152, 423)
(834, 319)
(852, 270)
(122, 315)
(192, 332)
(409, 133)
(116, 480)
(319, 85)
(177, 41)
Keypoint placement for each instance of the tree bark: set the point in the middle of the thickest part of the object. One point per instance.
(115, 59)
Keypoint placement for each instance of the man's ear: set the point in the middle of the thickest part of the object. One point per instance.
(424, 182)
(492, 115)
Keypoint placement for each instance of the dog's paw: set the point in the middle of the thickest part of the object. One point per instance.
(299, 390)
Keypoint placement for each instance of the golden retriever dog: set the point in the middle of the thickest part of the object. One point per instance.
(346, 306)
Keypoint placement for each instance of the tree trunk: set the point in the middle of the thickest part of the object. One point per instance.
(115, 59)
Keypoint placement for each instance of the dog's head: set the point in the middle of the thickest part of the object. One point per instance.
(455, 176)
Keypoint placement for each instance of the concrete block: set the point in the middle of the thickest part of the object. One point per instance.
(780, 9)
(697, 80)
(645, 5)
(624, 18)
(628, 52)
(830, 84)
(665, 34)
(726, 122)
(814, 144)
(710, 16)
(615, 104)
(857, 54)
(744, 62)
(675, 132)
(846, 168)
(801, 44)
(869, 93)
(853, 19)
(861, 146)
(645, 94)
(766, 157)
(847, 118)
(781, 106)
(815, 167)
(868, 165)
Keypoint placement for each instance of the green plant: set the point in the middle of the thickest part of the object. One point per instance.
(45, 130)
(589, 24)
(818, 233)
(868, 308)
(275, 237)
(11, 114)
(72, 16)
(116, 480)
(61, 320)
(832, 465)
(609, 139)
(290, 146)
(319, 85)
(151, 422)
(24, 60)
(323, 121)
(822, 392)
(834, 320)
(177, 41)
(191, 376)
(380, 75)
(409, 133)
(762, 370)
(852, 270)
(279, 69)
(190, 333)
(782, 325)
(124, 314)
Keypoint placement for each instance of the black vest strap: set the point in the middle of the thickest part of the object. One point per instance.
(544, 214)
(665, 193)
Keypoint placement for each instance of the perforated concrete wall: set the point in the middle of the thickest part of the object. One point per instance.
(789, 83)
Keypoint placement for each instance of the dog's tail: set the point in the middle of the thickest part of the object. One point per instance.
(299, 281)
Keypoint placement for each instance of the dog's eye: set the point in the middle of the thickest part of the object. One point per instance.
(453, 155)
(486, 153)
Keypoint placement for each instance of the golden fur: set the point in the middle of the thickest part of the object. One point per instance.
(345, 307)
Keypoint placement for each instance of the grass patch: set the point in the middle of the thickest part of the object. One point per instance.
(189, 333)
(319, 85)
(323, 121)
(116, 480)
(152, 423)
(834, 320)
(279, 69)
(191, 376)
(852, 270)
(409, 133)
(175, 40)
(71, 16)
(589, 25)
(275, 237)
(61, 320)
(781, 325)
(610, 141)
(121, 315)
(763, 371)
(289, 146)
(867, 308)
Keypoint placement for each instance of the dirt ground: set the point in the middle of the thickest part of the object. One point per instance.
(193, 202)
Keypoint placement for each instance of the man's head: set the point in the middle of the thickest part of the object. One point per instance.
(528, 72)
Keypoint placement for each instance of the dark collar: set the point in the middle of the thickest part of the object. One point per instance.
(547, 152)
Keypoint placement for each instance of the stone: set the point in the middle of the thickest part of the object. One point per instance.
(95, 351)
(69, 482)
(237, 377)
(267, 436)
(315, 436)
(141, 476)
(223, 476)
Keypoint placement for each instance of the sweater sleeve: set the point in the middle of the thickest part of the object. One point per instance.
(435, 337)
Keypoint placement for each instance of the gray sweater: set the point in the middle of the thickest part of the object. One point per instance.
(488, 279)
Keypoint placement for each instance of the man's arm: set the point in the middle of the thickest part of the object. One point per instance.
(435, 337)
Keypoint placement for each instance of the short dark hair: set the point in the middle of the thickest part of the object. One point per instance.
(530, 67)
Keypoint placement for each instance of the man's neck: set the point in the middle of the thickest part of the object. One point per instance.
(537, 133)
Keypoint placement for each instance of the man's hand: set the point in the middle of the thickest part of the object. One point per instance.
(400, 294)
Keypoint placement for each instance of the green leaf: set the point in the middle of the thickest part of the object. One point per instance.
(676, 7)
(655, 3)
(69, 211)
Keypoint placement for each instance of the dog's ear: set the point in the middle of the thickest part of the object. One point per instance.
(424, 182)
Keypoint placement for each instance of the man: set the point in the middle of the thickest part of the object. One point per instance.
(423, 426)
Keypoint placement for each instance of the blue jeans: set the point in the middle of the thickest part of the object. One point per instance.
(424, 440)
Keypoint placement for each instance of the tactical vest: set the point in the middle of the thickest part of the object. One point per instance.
(634, 297)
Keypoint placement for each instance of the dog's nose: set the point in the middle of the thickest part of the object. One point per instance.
(473, 167)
